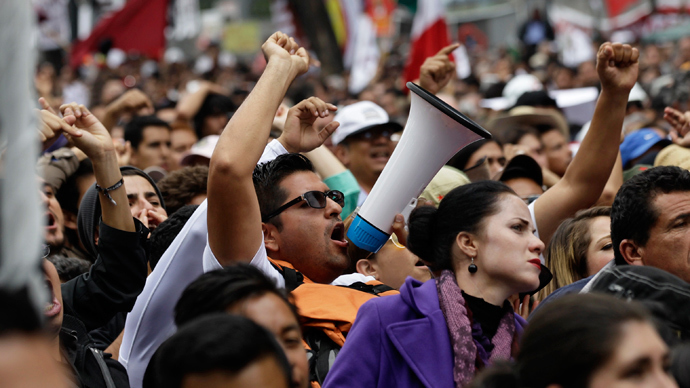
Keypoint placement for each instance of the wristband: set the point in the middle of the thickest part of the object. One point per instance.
(111, 188)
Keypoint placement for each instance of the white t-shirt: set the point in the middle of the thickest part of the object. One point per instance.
(260, 261)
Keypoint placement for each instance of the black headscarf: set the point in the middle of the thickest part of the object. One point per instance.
(89, 214)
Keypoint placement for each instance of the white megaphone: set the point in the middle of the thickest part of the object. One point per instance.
(433, 134)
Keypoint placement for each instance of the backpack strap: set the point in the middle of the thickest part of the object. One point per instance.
(293, 278)
(98, 355)
(322, 354)
(374, 289)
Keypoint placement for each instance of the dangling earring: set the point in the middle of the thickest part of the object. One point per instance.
(473, 267)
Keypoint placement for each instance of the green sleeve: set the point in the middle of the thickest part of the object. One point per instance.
(346, 183)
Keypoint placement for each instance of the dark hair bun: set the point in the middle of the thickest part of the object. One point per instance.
(422, 225)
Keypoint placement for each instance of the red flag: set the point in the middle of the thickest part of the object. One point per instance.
(429, 35)
(137, 27)
(617, 7)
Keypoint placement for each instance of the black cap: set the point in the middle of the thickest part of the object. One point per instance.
(538, 98)
(522, 166)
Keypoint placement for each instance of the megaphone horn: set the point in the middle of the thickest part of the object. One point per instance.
(434, 133)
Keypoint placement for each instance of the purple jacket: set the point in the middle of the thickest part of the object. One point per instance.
(398, 341)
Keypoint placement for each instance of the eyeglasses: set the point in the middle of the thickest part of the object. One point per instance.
(373, 134)
(315, 199)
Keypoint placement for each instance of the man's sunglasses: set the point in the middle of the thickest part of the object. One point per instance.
(315, 199)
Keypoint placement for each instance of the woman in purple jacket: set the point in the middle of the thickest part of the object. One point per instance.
(480, 242)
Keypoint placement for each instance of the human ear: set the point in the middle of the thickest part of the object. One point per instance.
(70, 219)
(133, 159)
(271, 237)
(343, 154)
(366, 267)
(467, 244)
(631, 252)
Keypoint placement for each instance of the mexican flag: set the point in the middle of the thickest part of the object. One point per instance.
(429, 34)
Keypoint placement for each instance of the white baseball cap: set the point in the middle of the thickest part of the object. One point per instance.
(202, 149)
(359, 117)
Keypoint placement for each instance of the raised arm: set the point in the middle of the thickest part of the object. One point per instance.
(119, 273)
(234, 218)
(438, 70)
(190, 104)
(586, 177)
(133, 101)
(96, 143)
(614, 183)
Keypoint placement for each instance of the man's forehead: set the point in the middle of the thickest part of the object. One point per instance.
(156, 130)
(302, 181)
(671, 205)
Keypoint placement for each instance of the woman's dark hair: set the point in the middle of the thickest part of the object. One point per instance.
(433, 231)
(460, 159)
(214, 104)
(572, 337)
(215, 291)
(219, 342)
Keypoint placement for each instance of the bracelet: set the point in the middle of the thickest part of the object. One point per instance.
(111, 188)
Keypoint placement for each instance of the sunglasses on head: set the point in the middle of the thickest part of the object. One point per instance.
(315, 199)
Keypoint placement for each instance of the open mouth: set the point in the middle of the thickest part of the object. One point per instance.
(50, 220)
(420, 263)
(380, 155)
(338, 235)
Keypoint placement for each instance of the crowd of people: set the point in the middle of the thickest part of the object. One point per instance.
(197, 218)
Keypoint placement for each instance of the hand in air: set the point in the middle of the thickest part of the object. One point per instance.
(133, 101)
(299, 134)
(617, 66)
(438, 70)
(94, 139)
(680, 134)
(51, 126)
(280, 46)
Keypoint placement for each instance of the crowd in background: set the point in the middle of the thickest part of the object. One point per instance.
(197, 210)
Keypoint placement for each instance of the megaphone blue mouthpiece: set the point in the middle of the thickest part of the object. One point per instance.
(365, 235)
